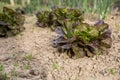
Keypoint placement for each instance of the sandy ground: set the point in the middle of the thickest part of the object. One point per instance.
(30, 56)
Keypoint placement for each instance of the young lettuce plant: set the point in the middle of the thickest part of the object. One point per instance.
(81, 39)
(11, 22)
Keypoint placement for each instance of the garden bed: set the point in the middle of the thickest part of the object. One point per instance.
(30, 56)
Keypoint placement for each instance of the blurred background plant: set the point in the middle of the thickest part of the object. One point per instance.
(101, 7)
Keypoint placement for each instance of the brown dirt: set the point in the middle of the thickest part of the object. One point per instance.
(47, 64)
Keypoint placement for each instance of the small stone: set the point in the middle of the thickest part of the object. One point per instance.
(119, 36)
(34, 72)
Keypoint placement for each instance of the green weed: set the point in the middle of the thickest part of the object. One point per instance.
(29, 57)
(27, 66)
(1, 67)
(3, 76)
(56, 66)
(14, 73)
(16, 65)
(112, 71)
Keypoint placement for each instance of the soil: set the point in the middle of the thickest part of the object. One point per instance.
(30, 56)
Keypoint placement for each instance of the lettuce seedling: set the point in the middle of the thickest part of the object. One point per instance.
(11, 23)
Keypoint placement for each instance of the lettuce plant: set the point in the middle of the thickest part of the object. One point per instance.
(66, 13)
(81, 39)
(11, 22)
(56, 17)
(43, 18)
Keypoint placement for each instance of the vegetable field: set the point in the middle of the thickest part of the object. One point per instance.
(59, 40)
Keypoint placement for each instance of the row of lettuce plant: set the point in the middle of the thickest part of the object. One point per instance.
(76, 38)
